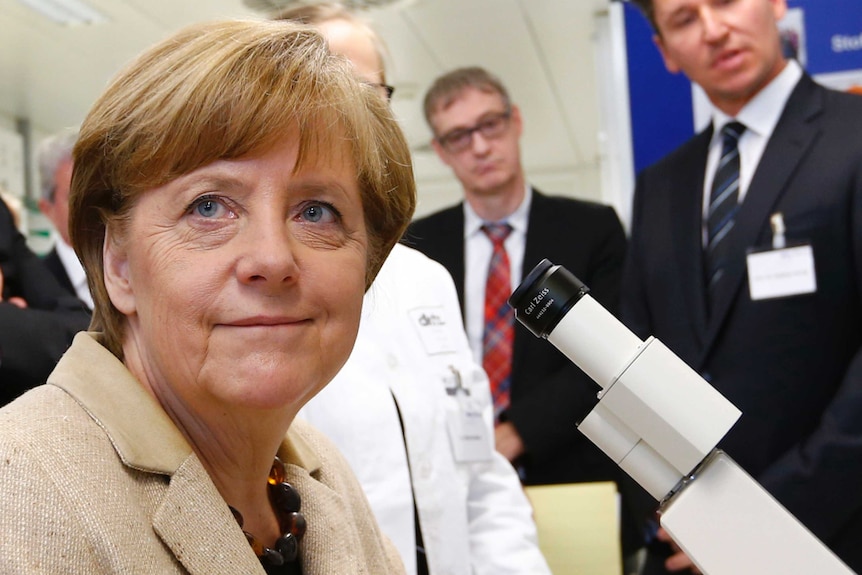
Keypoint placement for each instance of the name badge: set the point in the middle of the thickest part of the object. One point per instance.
(468, 431)
(781, 272)
(469, 436)
(434, 330)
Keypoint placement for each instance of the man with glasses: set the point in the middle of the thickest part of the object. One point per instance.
(410, 410)
(489, 243)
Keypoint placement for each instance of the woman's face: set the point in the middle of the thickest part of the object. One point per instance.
(242, 282)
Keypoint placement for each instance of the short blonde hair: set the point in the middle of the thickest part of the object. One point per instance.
(224, 90)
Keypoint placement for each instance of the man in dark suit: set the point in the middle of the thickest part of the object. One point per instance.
(55, 170)
(777, 331)
(476, 133)
(38, 318)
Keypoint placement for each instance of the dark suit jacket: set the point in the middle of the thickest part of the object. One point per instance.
(793, 365)
(549, 394)
(31, 339)
(56, 267)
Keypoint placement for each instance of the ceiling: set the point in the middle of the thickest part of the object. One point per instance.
(544, 51)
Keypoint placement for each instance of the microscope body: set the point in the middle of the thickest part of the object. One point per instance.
(660, 422)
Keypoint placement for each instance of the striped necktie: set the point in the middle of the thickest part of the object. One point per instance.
(723, 205)
(499, 330)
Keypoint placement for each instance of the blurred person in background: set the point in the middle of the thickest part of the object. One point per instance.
(489, 243)
(15, 207)
(38, 317)
(772, 188)
(411, 409)
(54, 157)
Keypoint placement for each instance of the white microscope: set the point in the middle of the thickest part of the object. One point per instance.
(660, 422)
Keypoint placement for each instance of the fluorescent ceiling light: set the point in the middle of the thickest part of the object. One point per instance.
(67, 12)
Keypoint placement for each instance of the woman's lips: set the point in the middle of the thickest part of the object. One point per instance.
(264, 321)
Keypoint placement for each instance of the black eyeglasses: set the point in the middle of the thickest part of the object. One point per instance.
(491, 127)
(385, 90)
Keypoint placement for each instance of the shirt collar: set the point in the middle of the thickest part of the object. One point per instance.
(517, 219)
(762, 113)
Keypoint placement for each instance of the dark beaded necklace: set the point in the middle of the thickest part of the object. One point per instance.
(286, 502)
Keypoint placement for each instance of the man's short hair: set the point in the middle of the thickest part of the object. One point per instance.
(648, 10)
(449, 86)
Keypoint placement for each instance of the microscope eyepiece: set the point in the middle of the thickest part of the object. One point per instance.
(545, 296)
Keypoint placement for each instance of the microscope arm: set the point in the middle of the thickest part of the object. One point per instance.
(660, 422)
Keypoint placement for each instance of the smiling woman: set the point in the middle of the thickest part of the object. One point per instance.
(235, 193)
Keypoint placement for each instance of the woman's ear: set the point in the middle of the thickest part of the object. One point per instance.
(116, 269)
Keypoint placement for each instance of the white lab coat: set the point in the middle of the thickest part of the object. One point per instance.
(475, 517)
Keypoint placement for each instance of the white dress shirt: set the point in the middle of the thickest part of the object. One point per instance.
(478, 250)
(474, 515)
(760, 116)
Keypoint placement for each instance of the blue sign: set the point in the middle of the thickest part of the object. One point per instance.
(833, 30)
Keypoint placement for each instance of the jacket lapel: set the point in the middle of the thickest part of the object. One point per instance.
(445, 244)
(332, 527)
(448, 247)
(540, 232)
(790, 142)
(204, 538)
(535, 250)
(337, 539)
(685, 220)
(454, 248)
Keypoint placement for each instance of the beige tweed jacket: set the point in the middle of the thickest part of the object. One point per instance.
(95, 478)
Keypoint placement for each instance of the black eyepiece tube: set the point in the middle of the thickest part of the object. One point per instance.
(545, 296)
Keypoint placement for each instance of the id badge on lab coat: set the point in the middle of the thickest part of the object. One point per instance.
(434, 329)
(468, 431)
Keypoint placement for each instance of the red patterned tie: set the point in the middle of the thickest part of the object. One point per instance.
(499, 332)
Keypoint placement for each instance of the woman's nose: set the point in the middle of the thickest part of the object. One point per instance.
(268, 256)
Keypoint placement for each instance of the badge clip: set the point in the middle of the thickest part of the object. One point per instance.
(776, 220)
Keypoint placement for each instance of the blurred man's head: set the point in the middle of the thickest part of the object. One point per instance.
(477, 132)
(731, 49)
(55, 174)
(347, 35)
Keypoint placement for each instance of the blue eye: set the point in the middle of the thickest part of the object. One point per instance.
(208, 208)
(319, 213)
